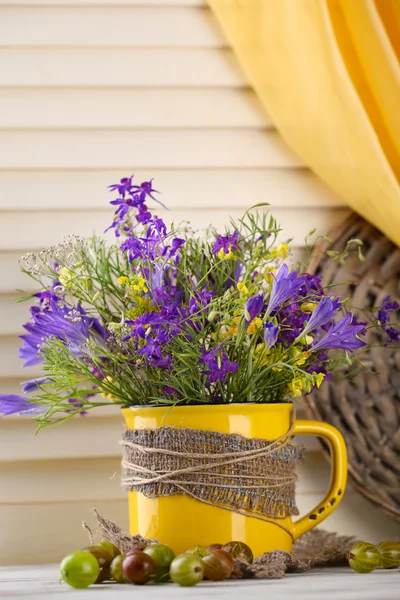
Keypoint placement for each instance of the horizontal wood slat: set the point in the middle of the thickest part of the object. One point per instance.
(82, 437)
(143, 149)
(102, 108)
(119, 67)
(114, 26)
(44, 533)
(40, 230)
(62, 480)
(179, 189)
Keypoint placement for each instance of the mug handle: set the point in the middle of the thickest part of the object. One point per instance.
(337, 484)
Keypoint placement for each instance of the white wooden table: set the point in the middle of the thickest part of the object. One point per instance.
(41, 583)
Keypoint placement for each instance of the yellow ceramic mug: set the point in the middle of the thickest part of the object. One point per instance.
(182, 522)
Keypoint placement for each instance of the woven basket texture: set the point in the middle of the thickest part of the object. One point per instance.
(365, 409)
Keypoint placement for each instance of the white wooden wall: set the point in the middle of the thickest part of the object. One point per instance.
(92, 90)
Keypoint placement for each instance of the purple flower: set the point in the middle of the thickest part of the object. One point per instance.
(311, 285)
(163, 363)
(291, 320)
(146, 189)
(270, 334)
(33, 384)
(131, 196)
(77, 403)
(217, 367)
(227, 243)
(387, 306)
(323, 313)
(72, 326)
(123, 187)
(284, 286)
(341, 336)
(143, 215)
(393, 335)
(11, 403)
(171, 391)
(207, 357)
(253, 307)
(176, 244)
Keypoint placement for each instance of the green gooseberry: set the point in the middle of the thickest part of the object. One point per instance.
(116, 569)
(80, 569)
(199, 550)
(239, 550)
(162, 556)
(389, 554)
(112, 548)
(104, 559)
(187, 570)
(363, 557)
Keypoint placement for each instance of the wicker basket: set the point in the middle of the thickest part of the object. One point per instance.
(367, 409)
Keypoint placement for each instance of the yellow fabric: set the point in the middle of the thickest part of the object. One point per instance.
(328, 74)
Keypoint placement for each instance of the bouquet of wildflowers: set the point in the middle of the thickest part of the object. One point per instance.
(170, 316)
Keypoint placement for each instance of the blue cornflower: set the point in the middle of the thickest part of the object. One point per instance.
(270, 334)
(341, 336)
(226, 243)
(284, 286)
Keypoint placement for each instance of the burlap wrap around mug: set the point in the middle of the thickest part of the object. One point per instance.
(251, 476)
(203, 474)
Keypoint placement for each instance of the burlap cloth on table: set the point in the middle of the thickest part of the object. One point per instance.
(315, 549)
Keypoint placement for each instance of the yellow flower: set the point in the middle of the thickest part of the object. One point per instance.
(308, 307)
(318, 379)
(67, 277)
(242, 288)
(228, 256)
(282, 251)
(108, 396)
(143, 306)
(139, 285)
(299, 356)
(296, 386)
(269, 277)
(135, 285)
(123, 280)
(255, 325)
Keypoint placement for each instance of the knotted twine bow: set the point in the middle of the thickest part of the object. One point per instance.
(253, 477)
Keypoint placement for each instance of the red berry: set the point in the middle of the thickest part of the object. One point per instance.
(138, 568)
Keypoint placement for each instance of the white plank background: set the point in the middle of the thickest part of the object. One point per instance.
(92, 90)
